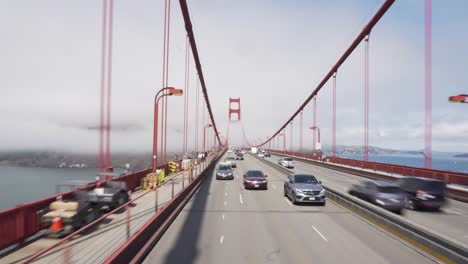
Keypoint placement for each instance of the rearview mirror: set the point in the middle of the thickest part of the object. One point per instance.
(320, 182)
(243, 175)
(266, 175)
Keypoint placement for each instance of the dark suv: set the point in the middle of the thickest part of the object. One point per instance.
(423, 192)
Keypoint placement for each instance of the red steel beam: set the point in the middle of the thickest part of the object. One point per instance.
(364, 32)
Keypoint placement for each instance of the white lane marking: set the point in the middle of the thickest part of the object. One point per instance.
(318, 232)
(351, 181)
(466, 235)
(240, 198)
(287, 201)
(274, 187)
(222, 216)
(237, 176)
(225, 203)
(450, 211)
(221, 240)
(225, 194)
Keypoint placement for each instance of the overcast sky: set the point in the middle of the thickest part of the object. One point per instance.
(271, 54)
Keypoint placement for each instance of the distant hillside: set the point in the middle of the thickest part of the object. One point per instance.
(52, 159)
(358, 150)
(464, 155)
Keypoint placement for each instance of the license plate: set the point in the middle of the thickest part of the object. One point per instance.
(256, 185)
(312, 198)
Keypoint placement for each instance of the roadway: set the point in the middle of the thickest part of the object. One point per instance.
(99, 242)
(451, 221)
(223, 223)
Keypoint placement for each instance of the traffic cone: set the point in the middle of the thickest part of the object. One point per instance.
(57, 224)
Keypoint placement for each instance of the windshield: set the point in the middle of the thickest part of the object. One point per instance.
(305, 179)
(251, 174)
(389, 189)
(288, 159)
(224, 167)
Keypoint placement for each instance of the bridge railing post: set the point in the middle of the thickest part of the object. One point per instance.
(172, 180)
(66, 252)
(127, 208)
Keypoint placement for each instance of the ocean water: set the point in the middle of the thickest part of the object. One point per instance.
(439, 161)
(20, 185)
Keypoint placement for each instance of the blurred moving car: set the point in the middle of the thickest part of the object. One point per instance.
(286, 162)
(239, 156)
(267, 154)
(260, 155)
(224, 172)
(387, 195)
(255, 179)
(423, 192)
(232, 161)
(304, 188)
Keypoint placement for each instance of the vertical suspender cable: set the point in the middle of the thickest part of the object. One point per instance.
(163, 78)
(428, 84)
(109, 81)
(184, 147)
(197, 108)
(103, 81)
(334, 117)
(291, 138)
(366, 98)
(300, 133)
(314, 122)
(187, 96)
(167, 77)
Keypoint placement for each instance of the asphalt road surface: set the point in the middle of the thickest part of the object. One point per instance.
(451, 221)
(223, 223)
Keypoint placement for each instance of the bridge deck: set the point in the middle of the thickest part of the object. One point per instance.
(223, 223)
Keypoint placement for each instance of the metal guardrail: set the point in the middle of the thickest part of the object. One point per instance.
(454, 193)
(434, 244)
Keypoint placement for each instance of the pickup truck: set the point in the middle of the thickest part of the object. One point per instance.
(110, 194)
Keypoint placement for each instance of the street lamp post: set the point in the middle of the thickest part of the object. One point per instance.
(204, 136)
(168, 91)
(318, 131)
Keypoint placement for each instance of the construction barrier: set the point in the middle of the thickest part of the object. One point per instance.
(174, 166)
(186, 164)
(148, 182)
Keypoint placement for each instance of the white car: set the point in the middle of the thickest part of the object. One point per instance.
(286, 162)
(260, 155)
(231, 160)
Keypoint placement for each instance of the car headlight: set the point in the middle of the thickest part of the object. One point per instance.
(229, 174)
(322, 192)
(298, 191)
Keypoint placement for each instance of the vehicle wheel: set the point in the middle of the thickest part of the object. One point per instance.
(351, 192)
(398, 212)
(293, 199)
(322, 203)
(284, 192)
(410, 204)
